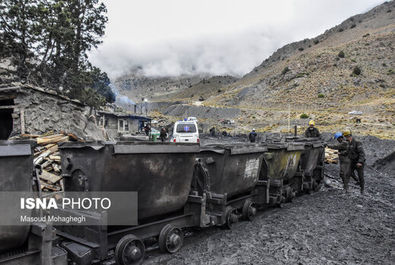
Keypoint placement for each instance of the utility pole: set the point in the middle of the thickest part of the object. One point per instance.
(289, 118)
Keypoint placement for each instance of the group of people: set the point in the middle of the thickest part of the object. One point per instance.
(162, 135)
(351, 158)
(311, 131)
(351, 154)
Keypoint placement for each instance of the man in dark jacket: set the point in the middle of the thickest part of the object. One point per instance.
(312, 131)
(252, 136)
(345, 163)
(212, 132)
(163, 134)
(357, 157)
(147, 129)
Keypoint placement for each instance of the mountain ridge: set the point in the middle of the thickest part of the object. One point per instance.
(348, 67)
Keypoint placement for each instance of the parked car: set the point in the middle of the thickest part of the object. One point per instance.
(185, 132)
(192, 119)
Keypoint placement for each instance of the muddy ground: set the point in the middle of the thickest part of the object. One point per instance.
(327, 227)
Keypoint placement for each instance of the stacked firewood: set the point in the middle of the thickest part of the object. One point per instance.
(331, 156)
(47, 158)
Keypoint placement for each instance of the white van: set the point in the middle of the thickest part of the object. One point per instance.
(185, 132)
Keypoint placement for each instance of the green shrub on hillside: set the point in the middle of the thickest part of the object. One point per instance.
(285, 70)
(304, 116)
(341, 54)
(320, 95)
(356, 71)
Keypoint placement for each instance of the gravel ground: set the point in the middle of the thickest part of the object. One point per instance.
(327, 227)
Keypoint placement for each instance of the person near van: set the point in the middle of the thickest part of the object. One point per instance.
(252, 136)
(147, 129)
(163, 134)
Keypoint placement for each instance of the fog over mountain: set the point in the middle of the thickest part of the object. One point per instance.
(170, 38)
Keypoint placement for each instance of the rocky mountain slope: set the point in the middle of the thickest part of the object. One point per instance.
(348, 68)
(137, 86)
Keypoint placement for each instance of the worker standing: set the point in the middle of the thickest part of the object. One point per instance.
(345, 162)
(312, 131)
(357, 157)
(147, 129)
(252, 136)
(212, 132)
(163, 134)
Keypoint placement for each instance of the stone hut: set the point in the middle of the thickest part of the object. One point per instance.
(33, 110)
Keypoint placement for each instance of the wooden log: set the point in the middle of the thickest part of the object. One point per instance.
(52, 139)
(40, 159)
(55, 158)
(49, 146)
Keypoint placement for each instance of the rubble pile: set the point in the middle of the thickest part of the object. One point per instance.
(331, 156)
(47, 158)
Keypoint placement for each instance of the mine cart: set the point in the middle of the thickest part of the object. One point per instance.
(312, 162)
(227, 175)
(30, 243)
(280, 177)
(161, 174)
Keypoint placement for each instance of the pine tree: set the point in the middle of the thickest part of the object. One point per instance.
(49, 40)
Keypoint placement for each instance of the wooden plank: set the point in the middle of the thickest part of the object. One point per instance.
(49, 187)
(49, 177)
(22, 116)
(8, 107)
(74, 137)
(24, 135)
(56, 167)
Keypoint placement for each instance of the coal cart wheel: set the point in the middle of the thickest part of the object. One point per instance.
(130, 250)
(249, 210)
(317, 185)
(230, 217)
(171, 239)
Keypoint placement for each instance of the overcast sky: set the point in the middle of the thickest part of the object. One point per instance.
(172, 37)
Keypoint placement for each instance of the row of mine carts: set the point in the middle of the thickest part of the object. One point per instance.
(179, 186)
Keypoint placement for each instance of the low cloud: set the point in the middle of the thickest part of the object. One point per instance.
(234, 54)
(219, 38)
